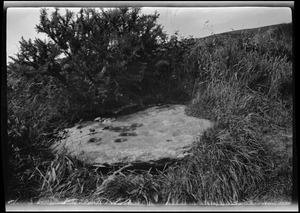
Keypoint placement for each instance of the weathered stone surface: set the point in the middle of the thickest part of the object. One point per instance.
(156, 136)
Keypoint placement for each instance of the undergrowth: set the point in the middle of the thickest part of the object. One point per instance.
(244, 86)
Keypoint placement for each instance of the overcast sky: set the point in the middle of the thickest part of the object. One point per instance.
(194, 21)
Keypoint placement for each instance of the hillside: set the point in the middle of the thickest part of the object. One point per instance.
(259, 30)
(120, 61)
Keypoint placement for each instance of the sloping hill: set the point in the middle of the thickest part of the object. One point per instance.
(257, 31)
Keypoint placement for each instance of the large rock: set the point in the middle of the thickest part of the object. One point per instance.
(154, 136)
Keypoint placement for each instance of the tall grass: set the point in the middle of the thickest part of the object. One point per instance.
(249, 96)
(243, 84)
(34, 115)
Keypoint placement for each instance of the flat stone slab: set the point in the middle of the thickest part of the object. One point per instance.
(156, 135)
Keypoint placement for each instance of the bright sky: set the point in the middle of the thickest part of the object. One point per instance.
(195, 21)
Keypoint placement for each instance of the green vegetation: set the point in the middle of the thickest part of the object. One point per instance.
(117, 61)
